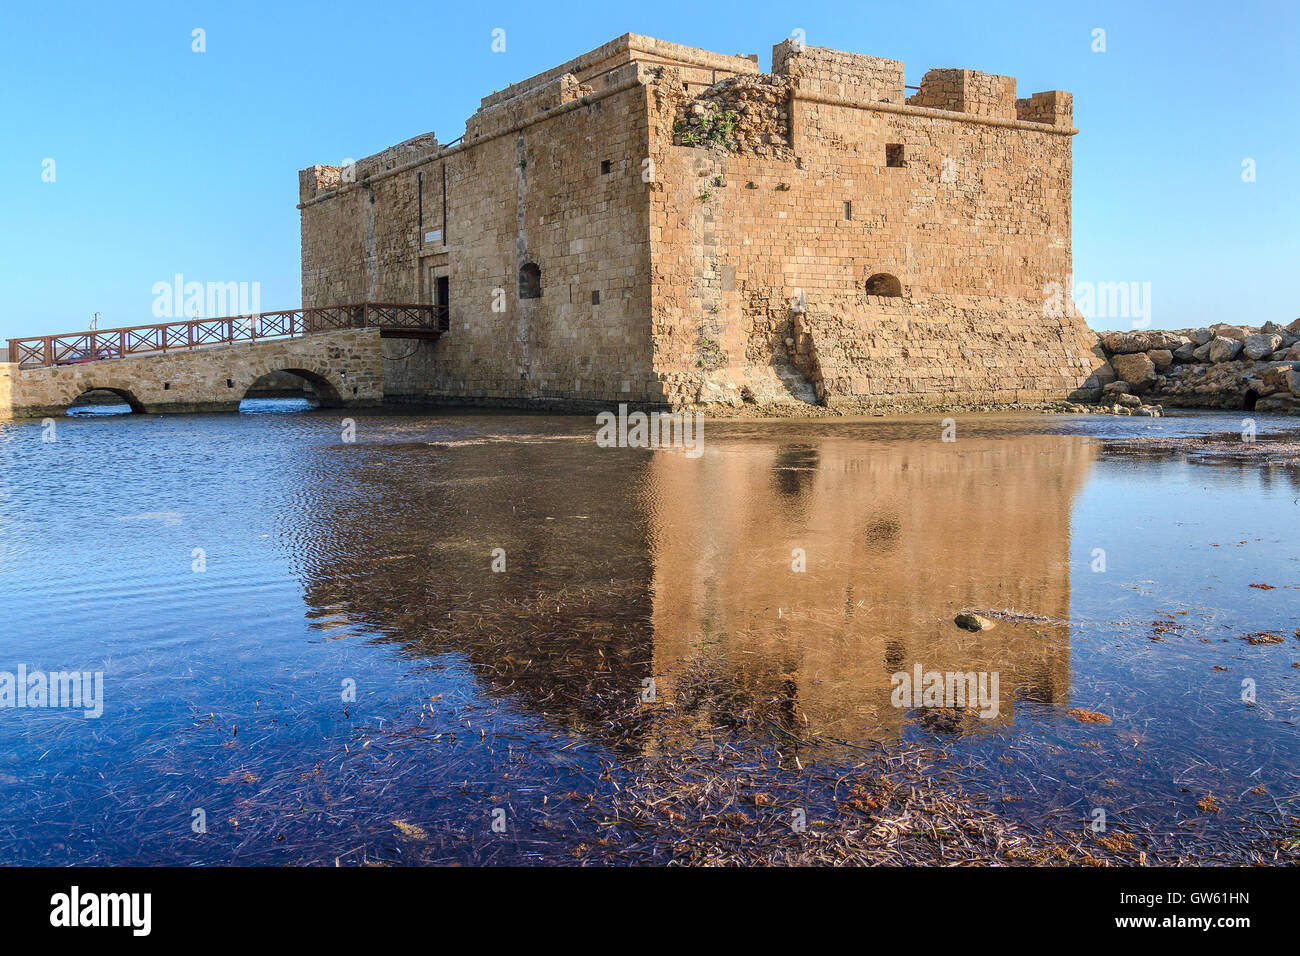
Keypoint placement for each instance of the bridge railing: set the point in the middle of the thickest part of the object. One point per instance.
(73, 348)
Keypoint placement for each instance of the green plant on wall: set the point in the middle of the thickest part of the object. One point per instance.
(709, 352)
(715, 127)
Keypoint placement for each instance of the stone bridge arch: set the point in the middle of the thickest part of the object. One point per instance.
(331, 388)
(76, 390)
(346, 368)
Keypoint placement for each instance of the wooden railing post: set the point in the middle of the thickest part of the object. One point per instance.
(121, 344)
(49, 350)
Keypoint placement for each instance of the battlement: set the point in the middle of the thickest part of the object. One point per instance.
(699, 67)
(660, 224)
(820, 71)
(321, 179)
(853, 75)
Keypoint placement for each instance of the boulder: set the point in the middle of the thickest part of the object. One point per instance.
(1260, 345)
(1292, 382)
(1105, 374)
(1273, 378)
(1294, 327)
(1130, 401)
(1229, 332)
(1223, 349)
(1185, 352)
(1136, 369)
(1202, 336)
(1144, 340)
(1293, 353)
(1202, 353)
(1161, 358)
(1281, 402)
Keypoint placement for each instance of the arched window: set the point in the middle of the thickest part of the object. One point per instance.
(530, 281)
(882, 283)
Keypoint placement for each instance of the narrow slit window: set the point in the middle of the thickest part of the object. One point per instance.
(848, 209)
(530, 281)
(894, 155)
(604, 167)
(595, 297)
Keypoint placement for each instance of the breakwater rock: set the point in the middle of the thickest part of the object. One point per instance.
(1222, 366)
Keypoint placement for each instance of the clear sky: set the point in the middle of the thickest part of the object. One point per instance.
(170, 161)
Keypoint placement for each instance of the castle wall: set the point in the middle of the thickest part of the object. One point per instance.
(526, 186)
(760, 246)
(808, 235)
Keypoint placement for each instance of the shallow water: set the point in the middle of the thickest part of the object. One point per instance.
(235, 577)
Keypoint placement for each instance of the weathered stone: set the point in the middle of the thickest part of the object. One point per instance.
(1224, 349)
(1260, 344)
(1272, 378)
(1161, 358)
(973, 622)
(345, 369)
(1229, 332)
(1124, 343)
(1202, 353)
(1130, 401)
(1136, 369)
(1202, 336)
(659, 291)
(1282, 403)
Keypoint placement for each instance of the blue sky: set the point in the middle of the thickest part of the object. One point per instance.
(169, 161)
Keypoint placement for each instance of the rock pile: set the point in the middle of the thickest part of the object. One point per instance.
(739, 114)
(1223, 366)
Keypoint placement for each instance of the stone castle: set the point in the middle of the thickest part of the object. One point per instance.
(662, 225)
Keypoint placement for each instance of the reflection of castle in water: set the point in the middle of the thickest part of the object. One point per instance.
(623, 565)
(896, 538)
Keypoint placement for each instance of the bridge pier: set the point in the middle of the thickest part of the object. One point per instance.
(345, 369)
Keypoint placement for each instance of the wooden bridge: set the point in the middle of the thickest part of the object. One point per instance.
(208, 364)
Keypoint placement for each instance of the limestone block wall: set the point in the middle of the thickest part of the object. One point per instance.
(968, 91)
(705, 232)
(549, 179)
(822, 70)
(941, 349)
(345, 369)
(762, 263)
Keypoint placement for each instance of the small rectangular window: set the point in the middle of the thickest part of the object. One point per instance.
(894, 155)
(848, 209)
(595, 297)
(604, 167)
